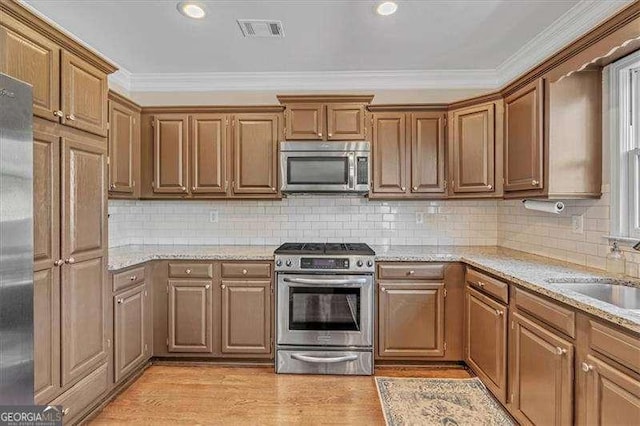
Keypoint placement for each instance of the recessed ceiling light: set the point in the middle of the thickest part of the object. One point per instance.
(387, 8)
(191, 9)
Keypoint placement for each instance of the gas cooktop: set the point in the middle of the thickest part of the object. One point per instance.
(330, 249)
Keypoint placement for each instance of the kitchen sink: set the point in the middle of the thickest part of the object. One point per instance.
(606, 290)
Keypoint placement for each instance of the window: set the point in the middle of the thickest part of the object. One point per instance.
(623, 79)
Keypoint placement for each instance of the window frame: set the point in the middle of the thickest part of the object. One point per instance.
(623, 117)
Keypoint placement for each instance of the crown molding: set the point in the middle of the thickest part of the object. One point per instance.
(577, 21)
(122, 77)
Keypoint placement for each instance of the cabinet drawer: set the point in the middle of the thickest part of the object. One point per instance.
(190, 270)
(615, 345)
(246, 270)
(412, 271)
(488, 285)
(83, 393)
(128, 278)
(555, 315)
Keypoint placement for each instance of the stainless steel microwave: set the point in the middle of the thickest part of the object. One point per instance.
(325, 166)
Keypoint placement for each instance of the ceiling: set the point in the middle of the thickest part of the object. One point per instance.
(471, 37)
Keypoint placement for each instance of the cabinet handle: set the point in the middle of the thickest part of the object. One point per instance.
(499, 312)
(223, 286)
(120, 301)
(188, 271)
(58, 262)
(207, 286)
(586, 367)
(71, 117)
(244, 272)
(535, 182)
(133, 277)
(58, 113)
(560, 351)
(70, 261)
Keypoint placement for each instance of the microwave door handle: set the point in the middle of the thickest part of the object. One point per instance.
(352, 171)
(322, 360)
(312, 281)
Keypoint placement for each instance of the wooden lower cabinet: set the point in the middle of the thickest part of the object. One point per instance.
(612, 396)
(410, 319)
(190, 316)
(541, 374)
(246, 317)
(131, 333)
(486, 341)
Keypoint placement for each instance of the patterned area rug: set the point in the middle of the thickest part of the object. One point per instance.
(446, 402)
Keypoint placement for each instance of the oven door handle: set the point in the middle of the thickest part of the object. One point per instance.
(320, 360)
(312, 281)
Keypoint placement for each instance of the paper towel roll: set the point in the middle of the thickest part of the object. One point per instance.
(544, 206)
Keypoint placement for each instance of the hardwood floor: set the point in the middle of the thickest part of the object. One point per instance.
(177, 395)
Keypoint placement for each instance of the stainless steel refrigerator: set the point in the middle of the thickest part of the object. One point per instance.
(16, 242)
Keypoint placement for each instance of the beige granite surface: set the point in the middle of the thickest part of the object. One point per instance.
(529, 271)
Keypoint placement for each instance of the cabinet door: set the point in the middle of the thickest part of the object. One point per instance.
(346, 122)
(472, 149)
(46, 334)
(486, 341)
(524, 156)
(541, 374)
(246, 317)
(612, 397)
(304, 122)
(208, 140)
(255, 154)
(190, 316)
(410, 320)
(84, 95)
(427, 153)
(389, 153)
(34, 59)
(130, 340)
(170, 155)
(123, 143)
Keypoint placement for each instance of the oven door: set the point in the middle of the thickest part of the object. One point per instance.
(327, 310)
(319, 171)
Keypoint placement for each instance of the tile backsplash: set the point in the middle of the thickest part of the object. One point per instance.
(551, 235)
(303, 218)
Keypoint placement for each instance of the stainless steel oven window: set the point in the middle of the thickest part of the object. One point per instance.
(317, 170)
(324, 309)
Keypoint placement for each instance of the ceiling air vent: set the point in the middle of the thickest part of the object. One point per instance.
(261, 28)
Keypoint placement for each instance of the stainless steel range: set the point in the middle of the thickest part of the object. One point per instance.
(325, 300)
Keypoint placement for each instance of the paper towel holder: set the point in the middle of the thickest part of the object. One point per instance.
(547, 206)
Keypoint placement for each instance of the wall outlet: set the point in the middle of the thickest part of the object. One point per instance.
(577, 224)
(419, 217)
(213, 216)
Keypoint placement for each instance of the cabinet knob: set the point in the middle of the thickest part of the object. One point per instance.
(415, 188)
(70, 260)
(120, 301)
(244, 272)
(71, 117)
(383, 289)
(560, 351)
(58, 113)
(490, 186)
(273, 189)
(411, 272)
(535, 182)
(223, 286)
(499, 312)
(58, 262)
(133, 277)
(207, 286)
(403, 188)
(330, 134)
(188, 271)
(193, 188)
(481, 284)
(183, 188)
(65, 411)
(586, 367)
(319, 135)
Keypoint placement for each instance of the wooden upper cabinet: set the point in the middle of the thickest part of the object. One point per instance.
(124, 147)
(389, 153)
(524, 142)
(29, 56)
(427, 152)
(84, 95)
(170, 154)
(410, 319)
(305, 122)
(346, 122)
(255, 154)
(541, 374)
(190, 316)
(472, 146)
(246, 317)
(209, 151)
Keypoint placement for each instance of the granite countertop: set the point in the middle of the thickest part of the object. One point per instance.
(529, 271)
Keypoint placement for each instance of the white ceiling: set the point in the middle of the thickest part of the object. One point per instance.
(425, 39)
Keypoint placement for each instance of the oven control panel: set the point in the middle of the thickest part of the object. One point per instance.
(323, 263)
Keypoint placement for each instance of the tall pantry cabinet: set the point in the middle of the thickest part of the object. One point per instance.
(72, 319)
